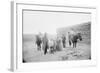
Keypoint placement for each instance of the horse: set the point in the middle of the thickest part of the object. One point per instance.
(73, 38)
(38, 42)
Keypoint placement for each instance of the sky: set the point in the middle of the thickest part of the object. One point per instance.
(40, 21)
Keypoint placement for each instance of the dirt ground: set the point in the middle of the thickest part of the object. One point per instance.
(31, 54)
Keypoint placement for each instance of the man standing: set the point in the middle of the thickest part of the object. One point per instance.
(45, 43)
(64, 41)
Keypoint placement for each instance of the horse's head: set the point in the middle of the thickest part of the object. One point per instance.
(80, 36)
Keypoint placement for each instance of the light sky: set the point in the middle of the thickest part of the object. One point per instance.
(39, 21)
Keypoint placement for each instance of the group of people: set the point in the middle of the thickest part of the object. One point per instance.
(44, 43)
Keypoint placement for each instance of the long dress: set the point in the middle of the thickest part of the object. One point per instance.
(59, 45)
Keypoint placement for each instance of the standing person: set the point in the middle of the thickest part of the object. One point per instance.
(59, 44)
(45, 43)
(64, 41)
(38, 42)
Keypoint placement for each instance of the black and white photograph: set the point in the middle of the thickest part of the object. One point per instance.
(49, 35)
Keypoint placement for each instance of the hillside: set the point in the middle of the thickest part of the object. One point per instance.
(83, 28)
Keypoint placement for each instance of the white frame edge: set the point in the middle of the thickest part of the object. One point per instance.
(13, 37)
(14, 34)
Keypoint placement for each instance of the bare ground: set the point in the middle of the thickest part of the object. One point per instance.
(82, 52)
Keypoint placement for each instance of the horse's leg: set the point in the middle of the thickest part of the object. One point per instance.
(38, 47)
(75, 44)
(69, 42)
(53, 48)
(64, 45)
(45, 49)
